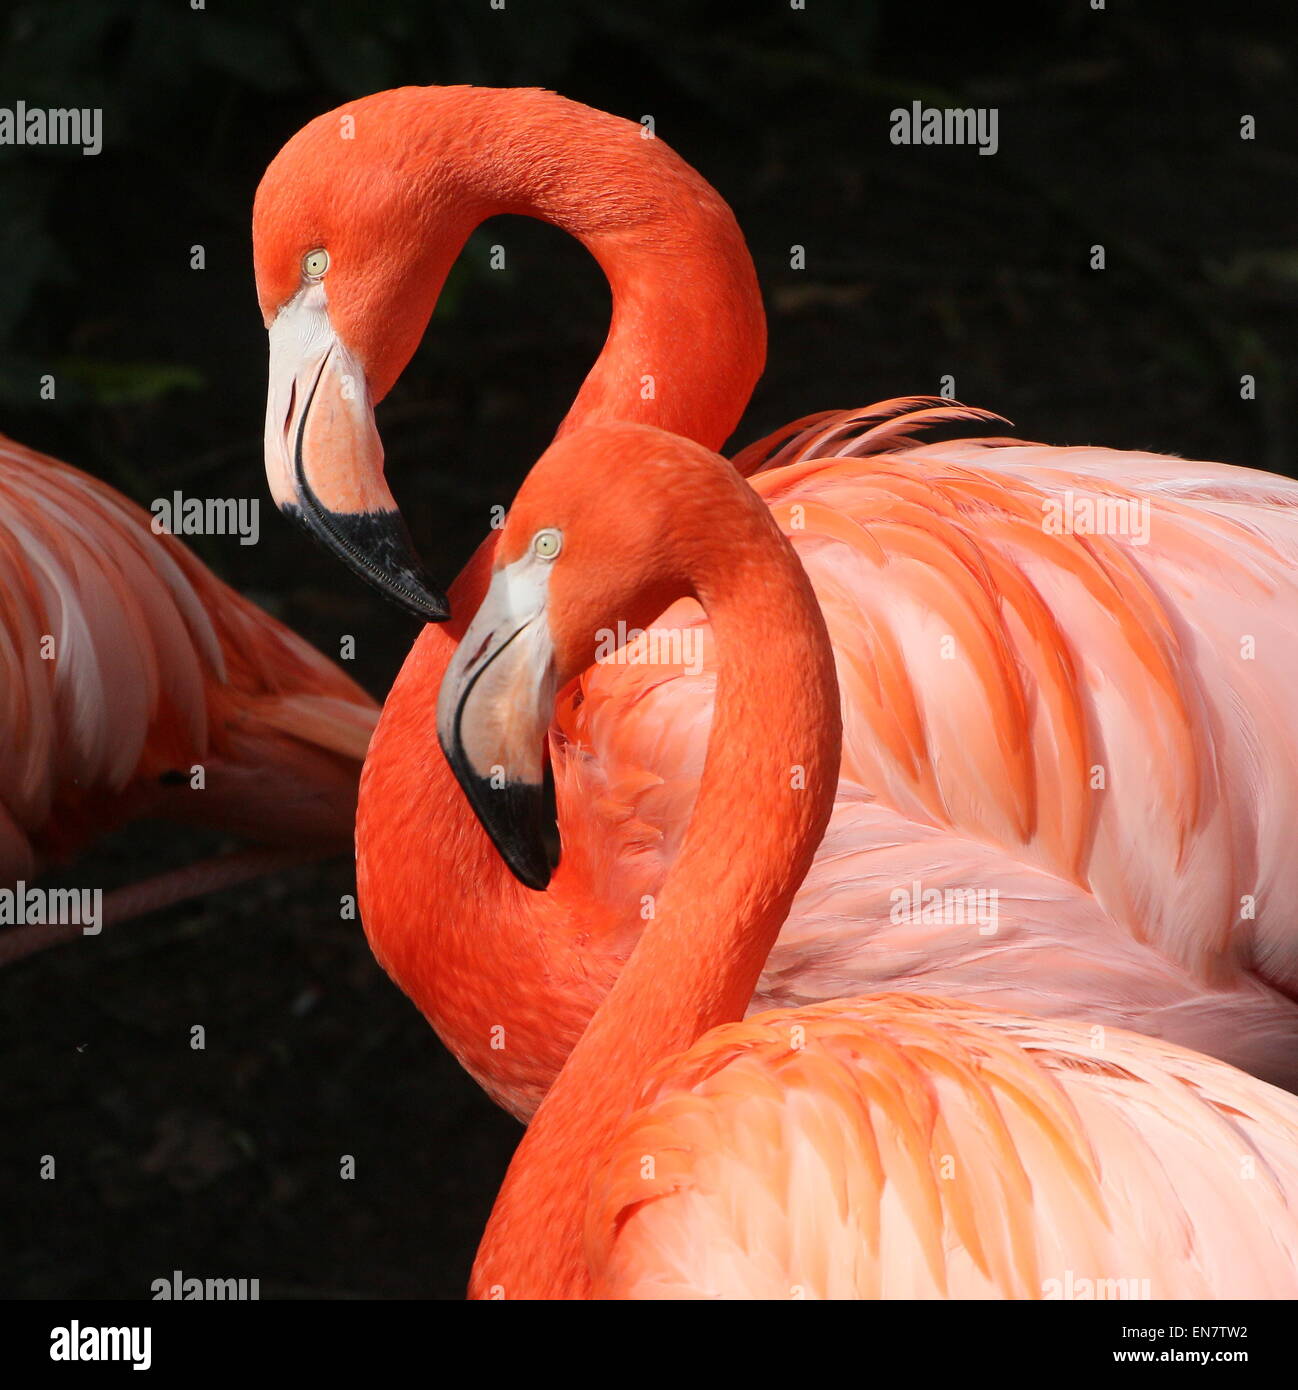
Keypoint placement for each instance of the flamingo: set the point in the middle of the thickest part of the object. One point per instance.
(880, 1146)
(125, 664)
(1090, 724)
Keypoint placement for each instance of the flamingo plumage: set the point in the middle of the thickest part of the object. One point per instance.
(1092, 725)
(125, 663)
(879, 1146)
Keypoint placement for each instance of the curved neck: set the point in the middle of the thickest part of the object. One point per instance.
(774, 744)
(444, 916)
(687, 340)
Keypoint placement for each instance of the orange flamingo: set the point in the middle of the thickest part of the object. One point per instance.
(886, 1146)
(1090, 724)
(125, 663)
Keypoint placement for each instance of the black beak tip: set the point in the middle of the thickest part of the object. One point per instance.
(530, 872)
(432, 605)
(377, 547)
(519, 817)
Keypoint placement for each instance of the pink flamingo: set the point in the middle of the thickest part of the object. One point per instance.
(1089, 722)
(885, 1146)
(125, 664)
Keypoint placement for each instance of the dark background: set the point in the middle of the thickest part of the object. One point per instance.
(1118, 127)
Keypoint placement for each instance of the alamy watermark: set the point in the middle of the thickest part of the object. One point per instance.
(957, 907)
(179, 515)
(21, 906)
(21, 124)
(73, 1342)
(180, 1288)
(1083, 514)
(1078, 1288)
(653, 646)
(918, 124)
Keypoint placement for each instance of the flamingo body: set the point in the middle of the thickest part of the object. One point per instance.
(124, 660)
(1068, 721)
(909, 1147)
(1091, 725)
(878, 1146)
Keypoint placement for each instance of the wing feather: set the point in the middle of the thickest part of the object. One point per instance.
(122, 657)
(895, 1147)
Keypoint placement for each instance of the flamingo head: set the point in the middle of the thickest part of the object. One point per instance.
(350, 252)
(600, 534)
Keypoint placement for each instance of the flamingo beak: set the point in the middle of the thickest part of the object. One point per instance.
(324, 459)
(493, 720)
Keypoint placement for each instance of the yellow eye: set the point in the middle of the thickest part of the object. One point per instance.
(315, 263)
(546, 544)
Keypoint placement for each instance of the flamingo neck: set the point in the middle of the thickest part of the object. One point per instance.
(687, 339)
(774, 745)
(445, 917)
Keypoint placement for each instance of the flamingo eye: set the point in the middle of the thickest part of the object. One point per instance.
(547, 544)
(315, 263)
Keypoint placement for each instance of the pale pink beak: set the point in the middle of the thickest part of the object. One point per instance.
(324, 458)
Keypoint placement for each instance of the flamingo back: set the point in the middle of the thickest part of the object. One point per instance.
(907, 1147)
(123, 660)
(1089, 722)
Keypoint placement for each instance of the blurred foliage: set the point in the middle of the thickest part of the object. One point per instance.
(127, 383)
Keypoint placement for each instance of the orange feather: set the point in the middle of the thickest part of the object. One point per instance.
(122, 660)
